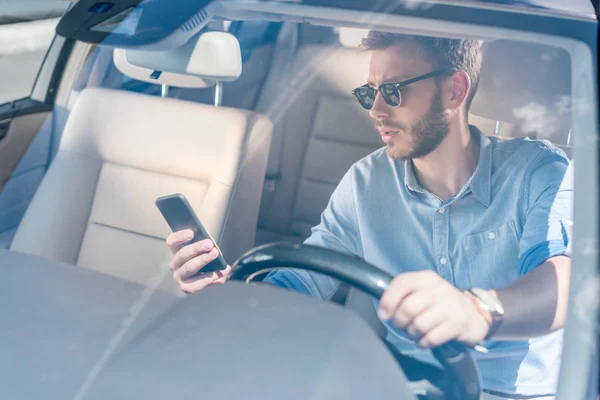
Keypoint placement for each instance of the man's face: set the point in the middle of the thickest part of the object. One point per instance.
(419, 124)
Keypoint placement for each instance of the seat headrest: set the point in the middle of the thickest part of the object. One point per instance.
(205, 59)
(352, 37)
(138, 131)
(525, 84)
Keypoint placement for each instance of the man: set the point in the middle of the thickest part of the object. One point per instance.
(445, 209)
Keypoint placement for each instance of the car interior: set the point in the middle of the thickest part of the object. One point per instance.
(271, 186)
(255, 123)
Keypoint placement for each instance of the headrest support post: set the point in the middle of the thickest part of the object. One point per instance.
(218, 94)
(164, 90)
(499, 126)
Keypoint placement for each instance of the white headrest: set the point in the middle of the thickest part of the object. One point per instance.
(146, 74)
(202, 61)
(522, 82)
(352, 37)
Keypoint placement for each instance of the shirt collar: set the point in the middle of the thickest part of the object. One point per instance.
(410, 179)
(480, 182)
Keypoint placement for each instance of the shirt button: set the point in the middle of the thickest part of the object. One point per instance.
(492, 236)
(443, 261)
(442, 210)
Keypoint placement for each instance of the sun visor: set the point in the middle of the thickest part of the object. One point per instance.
(202, 61)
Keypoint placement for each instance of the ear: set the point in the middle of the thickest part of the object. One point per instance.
(459, 84)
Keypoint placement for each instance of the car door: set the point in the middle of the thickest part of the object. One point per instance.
(29, 53)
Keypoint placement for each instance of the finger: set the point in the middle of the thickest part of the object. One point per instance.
(195, 284)
(440, 334)
(192, 266)
(202, 281)
(400, 287)
(190, 251)
(176, 239)
(426, 321)
(222, 275)
(413, 305)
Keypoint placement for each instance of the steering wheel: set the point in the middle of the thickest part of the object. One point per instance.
(453, 356)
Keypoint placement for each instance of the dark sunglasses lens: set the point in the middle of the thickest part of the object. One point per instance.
(391, 94)
(365, 96)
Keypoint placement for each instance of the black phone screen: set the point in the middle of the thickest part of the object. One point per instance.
(179, 215)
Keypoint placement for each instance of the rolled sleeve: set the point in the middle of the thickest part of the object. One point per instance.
(549, 197)
(338, 230)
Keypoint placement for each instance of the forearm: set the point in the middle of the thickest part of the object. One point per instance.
(537, 303)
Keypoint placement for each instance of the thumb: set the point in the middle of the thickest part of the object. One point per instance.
(223, 275)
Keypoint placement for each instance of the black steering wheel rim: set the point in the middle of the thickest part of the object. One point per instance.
(453, 356)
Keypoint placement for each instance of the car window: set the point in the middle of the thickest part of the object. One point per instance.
(14, 11)
(23, 46)
(26, 31)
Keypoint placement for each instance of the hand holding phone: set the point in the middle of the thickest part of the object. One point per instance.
(179, 215)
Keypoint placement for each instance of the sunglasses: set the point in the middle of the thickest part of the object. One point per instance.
(390, 91)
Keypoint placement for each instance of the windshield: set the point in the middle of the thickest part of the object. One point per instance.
(440, 156)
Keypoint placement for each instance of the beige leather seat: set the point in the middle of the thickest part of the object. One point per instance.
(528, 87)
(319, 131)
(119, 152)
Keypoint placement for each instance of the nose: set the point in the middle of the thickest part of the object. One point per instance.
(380, 109)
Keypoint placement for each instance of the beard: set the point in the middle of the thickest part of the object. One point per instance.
(426, 134)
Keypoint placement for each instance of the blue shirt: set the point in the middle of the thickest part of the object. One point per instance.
(512, 215)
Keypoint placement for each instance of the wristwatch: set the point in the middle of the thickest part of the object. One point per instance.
(487, 303)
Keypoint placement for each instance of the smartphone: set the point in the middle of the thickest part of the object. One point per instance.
(179, 215)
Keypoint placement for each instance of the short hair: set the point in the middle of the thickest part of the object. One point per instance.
(455, 54)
